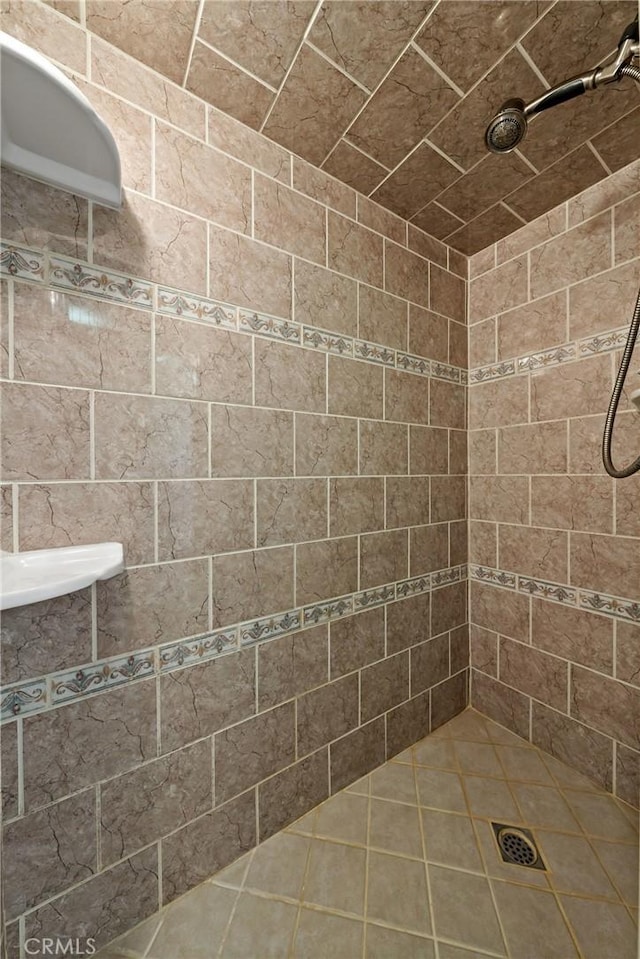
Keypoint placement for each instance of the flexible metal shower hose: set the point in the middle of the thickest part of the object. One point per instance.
(633, 467)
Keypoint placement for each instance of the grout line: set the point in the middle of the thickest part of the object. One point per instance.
(531, 62)
(434, 66)
(194, 36)
(338, 66)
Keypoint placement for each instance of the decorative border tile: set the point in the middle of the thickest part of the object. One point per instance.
(81, 278)
(198, 648)
(443, 577)
(540, 587)
(442, 371)
(493, 372)
(373, 352)
(612, 605)
(269, 627)
(412, 587)
(23, 698)
(485, 574)
(18, 261)
(270, 326)
(539, 361)
(106, 675)
(174, 303)
(373, 597)
(603, 343)
(413, 364)
(330, 342)
(323, 612)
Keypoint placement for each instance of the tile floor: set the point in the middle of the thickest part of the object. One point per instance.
(403, 865)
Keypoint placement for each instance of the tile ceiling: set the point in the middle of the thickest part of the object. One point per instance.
(393, 96)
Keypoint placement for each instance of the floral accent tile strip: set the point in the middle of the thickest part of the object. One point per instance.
(464, 377)
(22, 699)
(270, 326)
(613, 605)
(269, 627)
(413, 364)
(493, 372)
(603, 343)
(442, 371)
(443, 577)
(539, 361)
(20, 262)
(374, 597)
(198, 648)
(539, 587)
(196, 308)
(331, 342)
(498, 576)
(82, 278)
(323, 612)
(411, 587)
(374, 353)
(92, 679)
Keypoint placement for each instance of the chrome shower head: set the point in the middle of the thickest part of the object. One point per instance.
(508, 128)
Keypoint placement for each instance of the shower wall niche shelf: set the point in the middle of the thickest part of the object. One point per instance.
(45, 573)
(51, 132)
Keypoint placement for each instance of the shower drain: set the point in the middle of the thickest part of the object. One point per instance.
(517, 846)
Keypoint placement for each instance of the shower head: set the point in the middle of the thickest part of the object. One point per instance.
(508, 128)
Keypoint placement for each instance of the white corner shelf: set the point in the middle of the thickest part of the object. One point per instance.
(40, 574)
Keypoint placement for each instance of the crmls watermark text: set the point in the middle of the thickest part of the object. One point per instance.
(60, 946)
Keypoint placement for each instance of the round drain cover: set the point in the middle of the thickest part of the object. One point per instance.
(517, 847)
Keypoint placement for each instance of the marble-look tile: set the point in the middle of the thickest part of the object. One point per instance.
(429, 548)
(354, 167)
(534, 673)
(287, 377)
(407, 723)
(534, 551)
(89, 343)
(499, 290)
(152, 240)
(627, 635)
(356, 505)
(566, 177)
(382, 318)
(103, 908)
(491, 226)
(326, 445)
(383, 448)
(191, 175)
(325, 569)
(326, 713)
(406, 397)
(225, 517)
(428, 333)
(45, 433)
(249, 442)
(384, 685)
(9, 772)
(397, 116)
(415, 181)
(226, 86)
(355, 250)
(540, 447)
(504, 611)
(447, 293)
(147, 803)
(617, 286)
(200, 849)
(253, 750)
(302, 123)
(93, 739)
(356, 754)
(573, 502)
(325, 299)
(628, 775)
(248, 273)
(626, 241)
(406, 274)
(382, 220)
(323, 188)
(169, 30)
(573, 256)
(252, 584)
(289, 794)
(437, 221)
(487, 183)
(448, 607)
(533, 326)
(37, 215)
(356, 641)
(63, 839)
(291, 665)
(44, 637)
(429, 450)
(239, 141)
(407, 501)
(617, 143)
(201, 699)
(383, 558)
(610, 706)
(49, 34)
(448, 404)
(197, 362)
(135, 437)
(288, 220)
(501, 402)
(355, 388)
(290, 511)
(574, 634)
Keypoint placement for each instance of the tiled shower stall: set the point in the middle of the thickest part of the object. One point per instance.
(318, 432)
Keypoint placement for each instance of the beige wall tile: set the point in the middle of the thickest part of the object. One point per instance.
(355, 250)
(584, 250)
(617, 288)
(356, 641)
(448, 405)
(323, 188)
(37, 215)
(383, 448)
(327, 713)
(48, 33)
(543, 228)
(326, 445)
(574, 634)
(355, 388)
(204, 181)
(406, 397)
(406, 274)
(502, 499)
(240, 141)
(447, 293)
(248, 273)
(252, 584)
(326, 569)
(199, 362)
(458, 344)
(382, 220)
(356, 505)
(408, 622)
(483, 543)
(325, 299)
(499, 403)
(432, 249)
(199, 517)
(248, 442)
(383, 558)
(607, 563)
(291, 793)
(573, 502)
(573, 743)
(482, 343)
(45, 433)
(428, 548)
(499, 290)
(482, 452)
(288, 377)
(501, 610)
(428, 334)
(538, 448)
(484, 649)
(284, 218)
(384, 685)
(253, 750)
(382, 318)
(219, 82)
(407, 500)
(606, 704)
(625, 218)
(627, 653)
(291, 665)
(290, 511)
(535, 326)
(353, 167)
(533, 552)
(141, 436)
(448, 607)
(429, 450)
(448, 498)
(534, 673)
(571, 389)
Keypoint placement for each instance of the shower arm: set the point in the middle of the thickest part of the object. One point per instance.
(611, 72)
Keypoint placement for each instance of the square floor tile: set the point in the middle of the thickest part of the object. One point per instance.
(260, 927)
(397, 892)
(544, 806)
(278, 866)
(234, 874)
(599, 815)
(603, 929)
(336, 877)
(394, 782)
(621, 863)
(383, 943)
(490, 799)
(450, 840)
(321, 934)
(532, 923)
(395, 827)
(344, 817)
(468, 725)
(199, 918)
(435, 753)
(522, 764)
(440, 790)
(478, 758)
(463, 909)
(573, 866)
